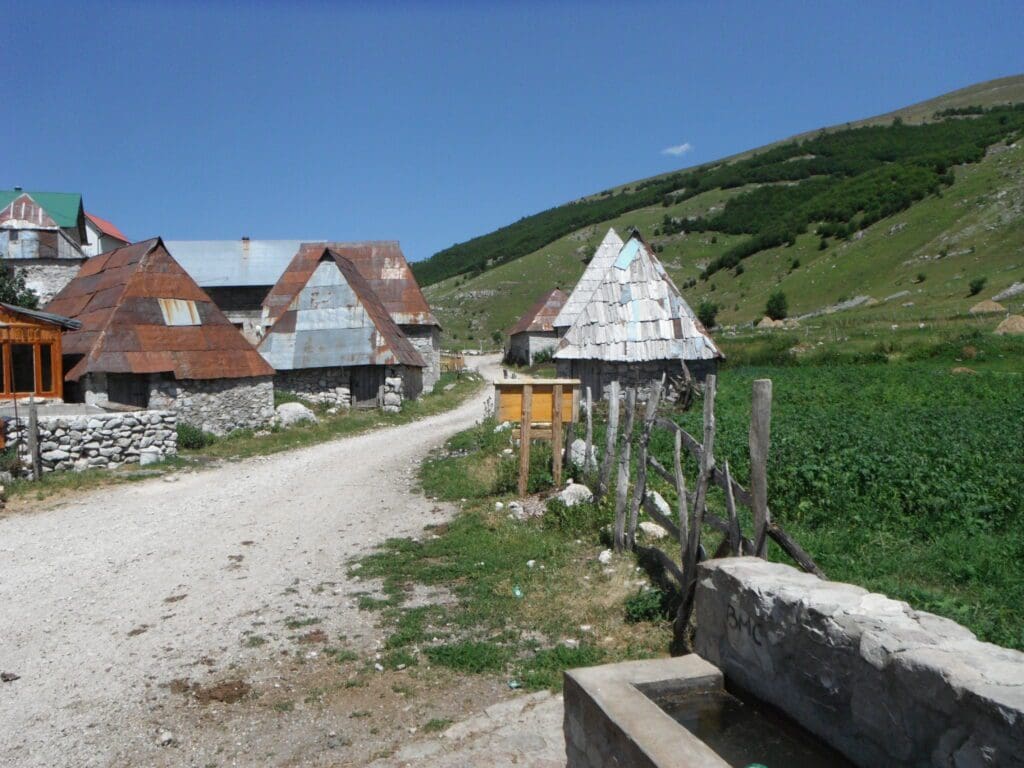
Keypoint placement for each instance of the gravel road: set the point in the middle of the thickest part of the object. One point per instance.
(110, 595)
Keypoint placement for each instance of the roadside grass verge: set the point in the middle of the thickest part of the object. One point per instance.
(246, 443)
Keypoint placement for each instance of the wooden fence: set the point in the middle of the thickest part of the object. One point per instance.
(692, 513)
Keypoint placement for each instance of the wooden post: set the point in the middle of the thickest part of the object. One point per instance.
(609, 447)
(588, 453)
(622, 483)
(556, 434)
(641, 461)
(734, 521)
(524, 438)
(33, 439)
(571, 438)
(684, 515)
(760, 433)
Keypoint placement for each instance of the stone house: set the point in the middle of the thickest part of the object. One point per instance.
(41, 236)
(238, 275)
(330, 338)
(534, 333)
(599, 264)
(152, 338)
(635, 327)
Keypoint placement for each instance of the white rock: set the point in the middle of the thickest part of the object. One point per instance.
(148, 456)
(165, 739)
(503, 426)
(290, 414)
(498, 506)
(605, 557)
(653, 530)
(530, 563)
(571, 643)
(575, 494)
(516, 510)
(578, 455)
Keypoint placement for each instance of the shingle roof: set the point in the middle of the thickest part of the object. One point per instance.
(591, 277)
(63, 207)
(539, 317)
(325, 315)
(240, 263)
(635, 314)
(106, 227)
(126, 300)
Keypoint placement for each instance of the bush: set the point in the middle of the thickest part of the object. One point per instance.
(777, 307)
(581, 518)
(192, 438)
(647, 605)
(707, 313)
(977, 284)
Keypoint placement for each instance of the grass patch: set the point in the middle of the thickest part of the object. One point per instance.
(436, 724)
(297, 623)
(471, 656)
(544, 669)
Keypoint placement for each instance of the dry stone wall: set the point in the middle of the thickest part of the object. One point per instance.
(318, 385)
(885, 684)
(98, 440)
(427, 341)
(217, 406)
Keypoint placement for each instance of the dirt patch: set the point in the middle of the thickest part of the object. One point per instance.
(316, 636)
(138, 631)
(226, 692)
(175, 598)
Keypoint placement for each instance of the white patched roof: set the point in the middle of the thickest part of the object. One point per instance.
(591, 278)
(636, 314)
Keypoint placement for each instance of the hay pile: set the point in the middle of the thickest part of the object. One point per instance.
(767, 323)
(987, 307)
(1011, 326)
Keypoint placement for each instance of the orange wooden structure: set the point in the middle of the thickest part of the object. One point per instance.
(30, 351)
(532, 403)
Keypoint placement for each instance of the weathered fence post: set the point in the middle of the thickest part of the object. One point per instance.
(33, 439)
(524, 438)
(622, 483)
(588, 453)
(650, 414)
(760, 433)
(609, 448)
(684, 514)
(571, 437)
(556, 434)
(735, 538)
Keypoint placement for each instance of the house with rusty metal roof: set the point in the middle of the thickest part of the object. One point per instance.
(635, 327)
(331, 339)
(41, 236)
(535, 331)
(151, 338)
(238, 275)
(589, 280)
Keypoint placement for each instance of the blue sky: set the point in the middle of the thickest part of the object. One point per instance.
(435, 122)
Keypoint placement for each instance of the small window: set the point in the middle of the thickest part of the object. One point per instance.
(46, 368)
(23, 367)
(13, 235)
(179, 312)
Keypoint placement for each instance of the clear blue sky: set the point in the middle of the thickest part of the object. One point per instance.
(435, 122)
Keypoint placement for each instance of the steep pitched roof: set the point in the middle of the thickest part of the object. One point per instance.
(540, 316)
(43, 317)
(590, 279)
(142, 313)
(636, 313)
(106, 227)
(241, 263)
(63, 207)
(325, 315)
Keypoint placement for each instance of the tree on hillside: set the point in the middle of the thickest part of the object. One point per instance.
(707, 313)
(777, 307)
(13, 289)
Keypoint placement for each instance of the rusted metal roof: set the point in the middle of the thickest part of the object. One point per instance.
(117, 298)
(636, 314)
(590, 279)
(325, 314)
(241, 263)
(540, 317)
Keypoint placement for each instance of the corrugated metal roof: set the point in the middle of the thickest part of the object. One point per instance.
(591, 278)
(540, 317)
(325, 314)
(240, 263)
(635, 314)
(63, 207)
(116, 297)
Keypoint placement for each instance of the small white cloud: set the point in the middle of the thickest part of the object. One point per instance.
(678, 149)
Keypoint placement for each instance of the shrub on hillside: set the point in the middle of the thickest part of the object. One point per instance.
(977, 284)
(777, 307)
(707, 313)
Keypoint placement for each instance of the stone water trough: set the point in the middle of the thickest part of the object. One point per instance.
(795, 672)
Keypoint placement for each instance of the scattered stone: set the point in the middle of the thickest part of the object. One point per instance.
(652, 531)
(290, 414)
(516, 510)
(1011, 326)
(505, 425)
(1014, 290)
(9, 677)
(165, 739)
(530, 563)
(575, 494)
(578, 455)
(605, 558)
(498, 506)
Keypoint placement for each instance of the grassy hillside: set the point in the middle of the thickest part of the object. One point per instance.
(964, 222)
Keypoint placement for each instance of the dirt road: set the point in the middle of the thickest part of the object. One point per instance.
(113, 600)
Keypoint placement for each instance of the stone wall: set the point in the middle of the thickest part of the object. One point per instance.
(427, 340)
(524, 347)
(97, 440)
(317, 385)
(394, 387)
(598, 374)
(883, 683)
(217, 406)
(47, 277)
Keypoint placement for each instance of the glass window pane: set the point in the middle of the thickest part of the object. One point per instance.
(23, 367)
(46, 368)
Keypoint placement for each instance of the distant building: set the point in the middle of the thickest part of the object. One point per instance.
(101, 236)
(599, 264)
(238, 274)
(535, 333)
(41, 235)
(635, 327)
(151, 338)
(331, 339)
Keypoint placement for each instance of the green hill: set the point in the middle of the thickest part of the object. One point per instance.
(910, 206)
